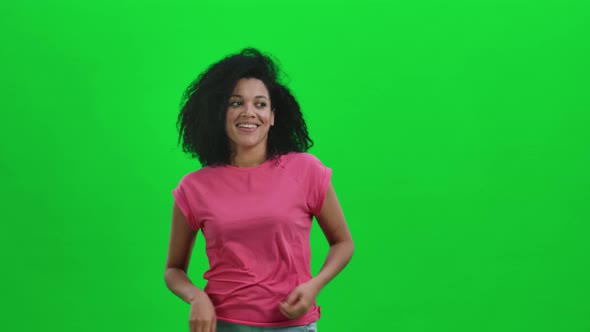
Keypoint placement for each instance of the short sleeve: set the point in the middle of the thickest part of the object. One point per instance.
(181, 198)
(318, 179)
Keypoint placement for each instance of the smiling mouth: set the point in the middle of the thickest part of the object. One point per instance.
(247, 125)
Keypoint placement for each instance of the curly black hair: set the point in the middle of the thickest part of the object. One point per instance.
(201, 122)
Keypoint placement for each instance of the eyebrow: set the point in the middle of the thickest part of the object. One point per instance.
(260, 96)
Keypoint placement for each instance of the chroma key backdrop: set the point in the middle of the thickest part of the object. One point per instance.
(458, 133)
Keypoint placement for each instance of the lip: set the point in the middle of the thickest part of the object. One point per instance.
(247, 130)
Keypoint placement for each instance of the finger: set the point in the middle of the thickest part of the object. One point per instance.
(294, 312)
(214, 325)
(285, 311)
(293, 297)
(200, 326)
(286, 307)
(210, 325)
(299, 308)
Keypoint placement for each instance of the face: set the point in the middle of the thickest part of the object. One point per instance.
(249, 115)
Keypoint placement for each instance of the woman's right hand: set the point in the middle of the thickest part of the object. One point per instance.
(202, 315)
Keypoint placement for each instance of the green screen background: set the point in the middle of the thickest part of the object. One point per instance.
(457, 132)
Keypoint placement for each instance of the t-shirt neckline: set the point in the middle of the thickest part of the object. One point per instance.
(250, 168)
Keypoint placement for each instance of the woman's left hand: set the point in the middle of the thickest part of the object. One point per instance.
(300, 300)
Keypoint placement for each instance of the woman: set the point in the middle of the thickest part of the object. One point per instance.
(254, 200)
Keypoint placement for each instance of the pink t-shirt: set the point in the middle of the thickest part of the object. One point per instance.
(256, 223)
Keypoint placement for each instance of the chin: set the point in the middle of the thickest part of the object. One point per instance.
(248, 144)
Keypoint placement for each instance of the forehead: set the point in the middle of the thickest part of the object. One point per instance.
(250, 87)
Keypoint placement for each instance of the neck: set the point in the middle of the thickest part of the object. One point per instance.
(249, 158)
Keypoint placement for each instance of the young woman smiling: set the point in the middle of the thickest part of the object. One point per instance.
(254, 200)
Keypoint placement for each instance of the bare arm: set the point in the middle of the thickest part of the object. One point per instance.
(182, 239)
(332, 222)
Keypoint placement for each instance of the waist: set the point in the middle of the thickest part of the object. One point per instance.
(256, 303)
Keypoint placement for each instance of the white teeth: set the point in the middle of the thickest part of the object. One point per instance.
(247, 125)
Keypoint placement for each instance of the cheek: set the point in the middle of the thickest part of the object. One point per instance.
(268, 118)
(229, 118)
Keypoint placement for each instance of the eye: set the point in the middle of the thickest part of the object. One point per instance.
(261, 104)
(235, 103)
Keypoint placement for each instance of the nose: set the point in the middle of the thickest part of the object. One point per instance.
(248, 110)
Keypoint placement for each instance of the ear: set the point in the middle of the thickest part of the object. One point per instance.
(272, 117)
